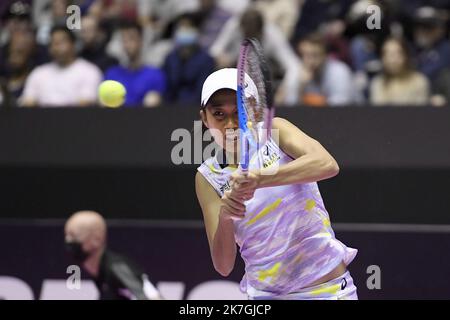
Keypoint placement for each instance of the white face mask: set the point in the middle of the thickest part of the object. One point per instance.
(186, 36)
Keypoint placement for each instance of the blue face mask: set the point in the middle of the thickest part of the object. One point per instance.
(186, 37)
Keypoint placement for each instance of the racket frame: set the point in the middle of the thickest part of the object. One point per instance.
(246, 137)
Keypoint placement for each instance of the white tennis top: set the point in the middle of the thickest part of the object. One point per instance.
(285, 238)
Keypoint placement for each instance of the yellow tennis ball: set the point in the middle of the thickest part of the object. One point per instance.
(111, 93)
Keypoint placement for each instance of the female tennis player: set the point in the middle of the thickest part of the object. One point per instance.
(277, 218)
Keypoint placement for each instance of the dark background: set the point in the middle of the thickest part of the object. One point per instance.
(395, 163)
(413, 265)
(390, 200)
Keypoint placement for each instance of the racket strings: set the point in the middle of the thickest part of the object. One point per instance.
(255, 98)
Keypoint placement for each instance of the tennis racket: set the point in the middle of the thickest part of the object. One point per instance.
(254, 100)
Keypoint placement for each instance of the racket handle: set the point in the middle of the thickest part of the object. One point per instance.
(245, 157)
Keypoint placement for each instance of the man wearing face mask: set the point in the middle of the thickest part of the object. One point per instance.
(116, 277)
(188, 65)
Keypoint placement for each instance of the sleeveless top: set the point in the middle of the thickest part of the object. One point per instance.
(285, 238)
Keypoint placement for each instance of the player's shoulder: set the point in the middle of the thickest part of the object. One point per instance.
(207, 188)
(206, 166)
(278, 120)
(202, 185)
(208, 161)
(200, 179)
(281, 123)
(207, 172)
(287, 132)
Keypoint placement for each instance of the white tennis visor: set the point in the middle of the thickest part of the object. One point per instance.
(224, 79)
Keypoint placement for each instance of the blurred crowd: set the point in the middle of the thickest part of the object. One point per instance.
(321, 52)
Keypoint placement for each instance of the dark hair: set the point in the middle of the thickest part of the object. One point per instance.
(252, 19)
(64, 29)
(193, 18)
(130, 25)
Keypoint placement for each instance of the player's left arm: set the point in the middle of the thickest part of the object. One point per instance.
(312, 162)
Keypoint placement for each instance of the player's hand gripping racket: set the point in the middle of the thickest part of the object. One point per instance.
(254, 100)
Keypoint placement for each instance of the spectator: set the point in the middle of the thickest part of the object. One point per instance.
(433, 49)
(19, 53)
(213, 20)
(117, 10)
(48, 14)
(157, 18)
(116, 277)
(283, 13)
(94, 39)
(160, 13)
(188, 65)
(5, 6)
(364, 43)
(16, 18)
(44, 9)
(84, 5)
(324, 81)
(406, 12)
(276, 48)
(441, 89)
(399, 83)
(145, 85)
(315, 13)
(67, 81)
(18, 63)
(236, 7)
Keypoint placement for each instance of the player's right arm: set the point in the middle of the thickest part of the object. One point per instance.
(218, 215)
